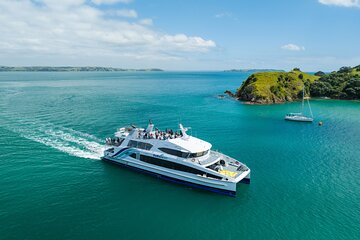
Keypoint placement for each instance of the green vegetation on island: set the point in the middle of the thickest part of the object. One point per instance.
(343, 84)
(72, 69)
(278, 87)
(274, 87)
(253, 70)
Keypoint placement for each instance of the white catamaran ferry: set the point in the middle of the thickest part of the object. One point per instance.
(177, 157)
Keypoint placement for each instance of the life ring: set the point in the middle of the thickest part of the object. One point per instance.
(193, 160)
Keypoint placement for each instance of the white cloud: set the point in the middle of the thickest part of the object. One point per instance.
(225, 15)
(186, 43)
(293, 47)
(99, 2)
(342, 3)
(130, 13)
(74, 29)
(146, 21)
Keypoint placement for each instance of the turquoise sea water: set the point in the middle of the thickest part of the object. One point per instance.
(305, 178)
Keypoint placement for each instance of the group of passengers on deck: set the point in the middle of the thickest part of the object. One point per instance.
(160, 135)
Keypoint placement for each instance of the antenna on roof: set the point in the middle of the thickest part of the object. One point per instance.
(183, 131)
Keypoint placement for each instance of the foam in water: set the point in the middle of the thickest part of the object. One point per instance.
(67, 140)
(74, 151)
(72, 144)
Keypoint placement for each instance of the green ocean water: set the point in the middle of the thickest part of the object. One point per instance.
(305, 180)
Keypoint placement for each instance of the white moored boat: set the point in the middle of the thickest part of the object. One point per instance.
(300, 117)
(177, 157)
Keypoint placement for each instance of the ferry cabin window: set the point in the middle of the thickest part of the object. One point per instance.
(174, 152)
(183, 154)
(198, 154)
(174, 166)
(141, 145)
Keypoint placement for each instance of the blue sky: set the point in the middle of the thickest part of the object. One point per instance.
(181, 35)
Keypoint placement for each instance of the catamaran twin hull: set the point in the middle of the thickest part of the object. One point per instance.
(177, 157)
(223, 187)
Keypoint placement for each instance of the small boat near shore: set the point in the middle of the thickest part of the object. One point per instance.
(177, 157)
(300, 117)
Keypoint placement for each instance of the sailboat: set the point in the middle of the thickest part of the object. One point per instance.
(300, 117)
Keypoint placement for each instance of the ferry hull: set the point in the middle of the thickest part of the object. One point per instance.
(246, 180)
(177, 180)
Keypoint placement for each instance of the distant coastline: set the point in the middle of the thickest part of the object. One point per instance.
(73, 69)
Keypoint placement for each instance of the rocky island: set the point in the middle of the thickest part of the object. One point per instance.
(279, 87)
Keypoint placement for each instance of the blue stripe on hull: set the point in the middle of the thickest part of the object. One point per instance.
(122, 150)
(211, 189)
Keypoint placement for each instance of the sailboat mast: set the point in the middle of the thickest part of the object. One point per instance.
(308, 102)
(310, 108)
(302, 104)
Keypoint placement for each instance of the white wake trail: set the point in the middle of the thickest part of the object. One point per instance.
(66, 140)
(85, 148)
(74, 151)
